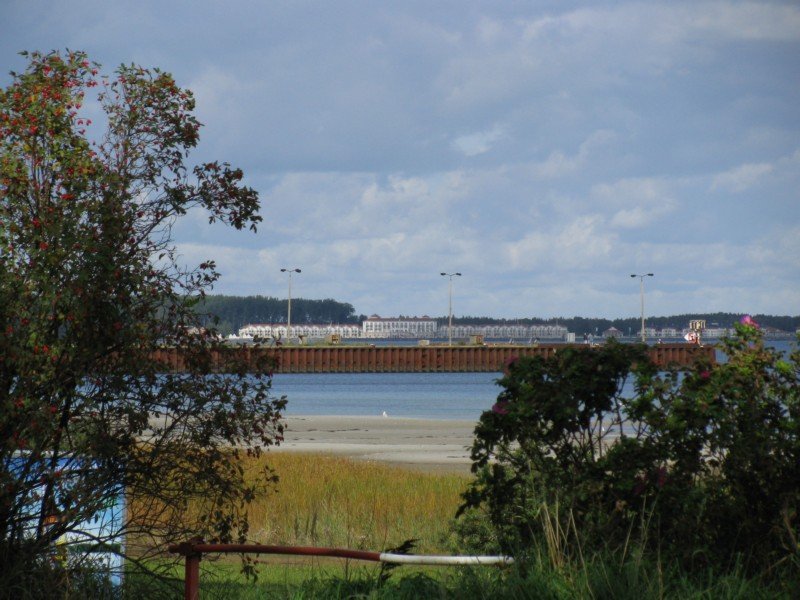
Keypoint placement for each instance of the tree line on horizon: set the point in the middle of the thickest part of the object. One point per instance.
(234, 312)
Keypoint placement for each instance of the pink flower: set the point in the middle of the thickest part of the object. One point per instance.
(748, 320)
(705, 374)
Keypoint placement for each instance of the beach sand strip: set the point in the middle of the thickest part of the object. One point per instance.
(423, 444)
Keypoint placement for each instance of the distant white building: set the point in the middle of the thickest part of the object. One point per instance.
(278, 330)
(714, 332)
(376, 327)
(398, 327)
(547, 332)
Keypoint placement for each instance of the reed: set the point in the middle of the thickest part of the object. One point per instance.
(325, 500)
(332, 501)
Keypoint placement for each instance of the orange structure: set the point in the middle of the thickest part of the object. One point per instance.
(410, 359)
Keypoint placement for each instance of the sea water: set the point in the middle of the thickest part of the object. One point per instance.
(417, 395)
(455, 396)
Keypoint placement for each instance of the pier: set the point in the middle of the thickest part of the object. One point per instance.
(411, 359)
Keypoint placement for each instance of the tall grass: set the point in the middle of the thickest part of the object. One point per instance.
(326, 500)
(333, 501)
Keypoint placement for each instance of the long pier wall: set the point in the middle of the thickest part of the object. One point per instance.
(409, 359)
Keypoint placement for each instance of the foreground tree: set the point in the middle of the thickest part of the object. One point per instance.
(89, 289)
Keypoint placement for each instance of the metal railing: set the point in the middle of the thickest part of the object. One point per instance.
(193, 551)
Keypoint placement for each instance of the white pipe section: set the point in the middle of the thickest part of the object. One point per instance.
(418, 559)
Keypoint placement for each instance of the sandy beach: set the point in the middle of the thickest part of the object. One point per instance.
(429, 445)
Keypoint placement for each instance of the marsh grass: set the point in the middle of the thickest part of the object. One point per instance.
(333, 501)
(324, 500)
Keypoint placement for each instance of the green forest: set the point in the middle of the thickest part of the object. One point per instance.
(233, 312)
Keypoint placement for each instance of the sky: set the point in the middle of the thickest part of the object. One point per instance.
(545, 150)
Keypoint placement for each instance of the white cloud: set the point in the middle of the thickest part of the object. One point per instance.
(580, 244)
(478, 143)
(634, 203)
(672, 22)
(753, 21)
(558, 164)
(742, 177)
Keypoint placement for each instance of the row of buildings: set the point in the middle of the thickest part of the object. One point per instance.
(666, 333)
(376, 327)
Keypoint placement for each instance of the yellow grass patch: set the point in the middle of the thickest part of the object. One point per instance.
(332, 501)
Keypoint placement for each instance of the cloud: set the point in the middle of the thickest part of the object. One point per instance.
(673, 22)
(479, 142)
(753, 21)
(558, 164)
(579, 244)
(635, 203)
(742, 177)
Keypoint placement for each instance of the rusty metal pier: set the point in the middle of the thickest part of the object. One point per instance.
(414, 359)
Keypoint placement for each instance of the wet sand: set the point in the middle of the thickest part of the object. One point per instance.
(424, 444)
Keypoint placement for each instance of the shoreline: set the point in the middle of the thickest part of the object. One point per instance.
(431, 445)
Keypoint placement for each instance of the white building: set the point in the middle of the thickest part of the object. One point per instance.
(398, 327)
(547, 332)
(714, 332)
(377, 327)
(308, 330)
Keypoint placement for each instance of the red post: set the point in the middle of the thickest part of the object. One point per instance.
(192, 577)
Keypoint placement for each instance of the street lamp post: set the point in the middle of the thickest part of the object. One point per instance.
(450, 309)
(289, 307)
(641, 295)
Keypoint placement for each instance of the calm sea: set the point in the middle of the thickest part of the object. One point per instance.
(416, 395)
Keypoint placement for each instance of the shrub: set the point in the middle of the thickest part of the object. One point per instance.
(701, 465)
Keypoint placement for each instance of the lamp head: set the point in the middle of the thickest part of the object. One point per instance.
(443, 274)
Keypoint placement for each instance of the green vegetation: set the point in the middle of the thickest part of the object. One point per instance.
(234, 312)
(339, 502)
(336, 502)
(90, 287)
(598, 578)
(698, 472)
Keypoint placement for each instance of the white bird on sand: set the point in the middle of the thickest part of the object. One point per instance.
(384, 414)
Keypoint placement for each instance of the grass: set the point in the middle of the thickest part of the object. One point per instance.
(324, 500)
(600, 578)
(331, 501)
